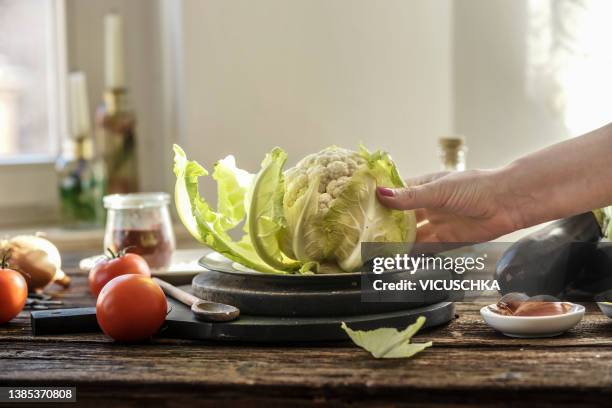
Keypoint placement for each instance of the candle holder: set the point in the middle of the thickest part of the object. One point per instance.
(81, 175)
(116, 125)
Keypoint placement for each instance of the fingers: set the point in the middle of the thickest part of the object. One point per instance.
(410, 198)
(424, 231)
(417, 181)
(420, 214)
(406, 198)
(433, 232)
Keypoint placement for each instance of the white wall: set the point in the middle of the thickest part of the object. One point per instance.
(493, 106)
(304, 74)
(307, 74)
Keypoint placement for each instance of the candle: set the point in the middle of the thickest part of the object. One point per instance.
(80, 125)
(113, 52)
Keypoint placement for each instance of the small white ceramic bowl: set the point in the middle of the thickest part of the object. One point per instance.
(606, 308)
(533, 326)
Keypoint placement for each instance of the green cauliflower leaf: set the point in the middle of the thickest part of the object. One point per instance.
(389, 342)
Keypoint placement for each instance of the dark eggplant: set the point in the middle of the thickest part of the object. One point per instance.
(547, 261)
(597, 274)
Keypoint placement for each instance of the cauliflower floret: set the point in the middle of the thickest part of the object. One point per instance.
(333, 166)
(337, 169)
(324, 201)
(335, 187)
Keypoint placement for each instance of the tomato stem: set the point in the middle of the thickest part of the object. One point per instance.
(112, 254)
(120, 253)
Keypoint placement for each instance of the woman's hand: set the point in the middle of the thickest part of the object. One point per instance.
(466, 207)
(564, 179)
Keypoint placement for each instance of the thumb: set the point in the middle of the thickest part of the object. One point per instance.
(410, 198)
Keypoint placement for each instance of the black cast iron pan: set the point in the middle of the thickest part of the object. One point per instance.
(263, 294)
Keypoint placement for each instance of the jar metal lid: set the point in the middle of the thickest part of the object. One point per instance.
(136, 200)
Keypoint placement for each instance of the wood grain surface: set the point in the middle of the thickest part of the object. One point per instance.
(468, 365)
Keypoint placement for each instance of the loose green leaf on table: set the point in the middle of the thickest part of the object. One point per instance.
(389, 342)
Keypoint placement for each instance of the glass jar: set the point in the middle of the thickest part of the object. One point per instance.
(140, 223)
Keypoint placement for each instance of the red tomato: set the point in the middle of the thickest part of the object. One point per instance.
(13, 293)
(131, 308)
(110, 268)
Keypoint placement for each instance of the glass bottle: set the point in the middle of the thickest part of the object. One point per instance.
(452, 153)
(81, 184)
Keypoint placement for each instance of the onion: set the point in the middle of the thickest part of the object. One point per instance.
(38, 258)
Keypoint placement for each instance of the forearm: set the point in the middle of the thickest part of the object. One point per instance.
(567, 178)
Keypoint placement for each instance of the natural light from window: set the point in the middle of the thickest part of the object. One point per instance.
(28, 80)
(570, 59)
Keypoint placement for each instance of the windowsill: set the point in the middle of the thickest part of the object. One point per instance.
(27, 159)
(84, 239)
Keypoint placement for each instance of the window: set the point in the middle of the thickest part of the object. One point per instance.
(30, 80)
(570, 59)
(32, 107)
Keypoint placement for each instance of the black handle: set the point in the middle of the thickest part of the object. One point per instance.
(64, 321)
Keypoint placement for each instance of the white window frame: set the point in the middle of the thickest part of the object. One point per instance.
(34, 201)
(30, 193)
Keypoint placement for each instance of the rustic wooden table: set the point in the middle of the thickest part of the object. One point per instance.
(469, 364)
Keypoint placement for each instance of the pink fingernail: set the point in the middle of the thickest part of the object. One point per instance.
(386, 192)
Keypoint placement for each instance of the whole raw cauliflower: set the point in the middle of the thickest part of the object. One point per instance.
(311, 218)
(330, 207)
